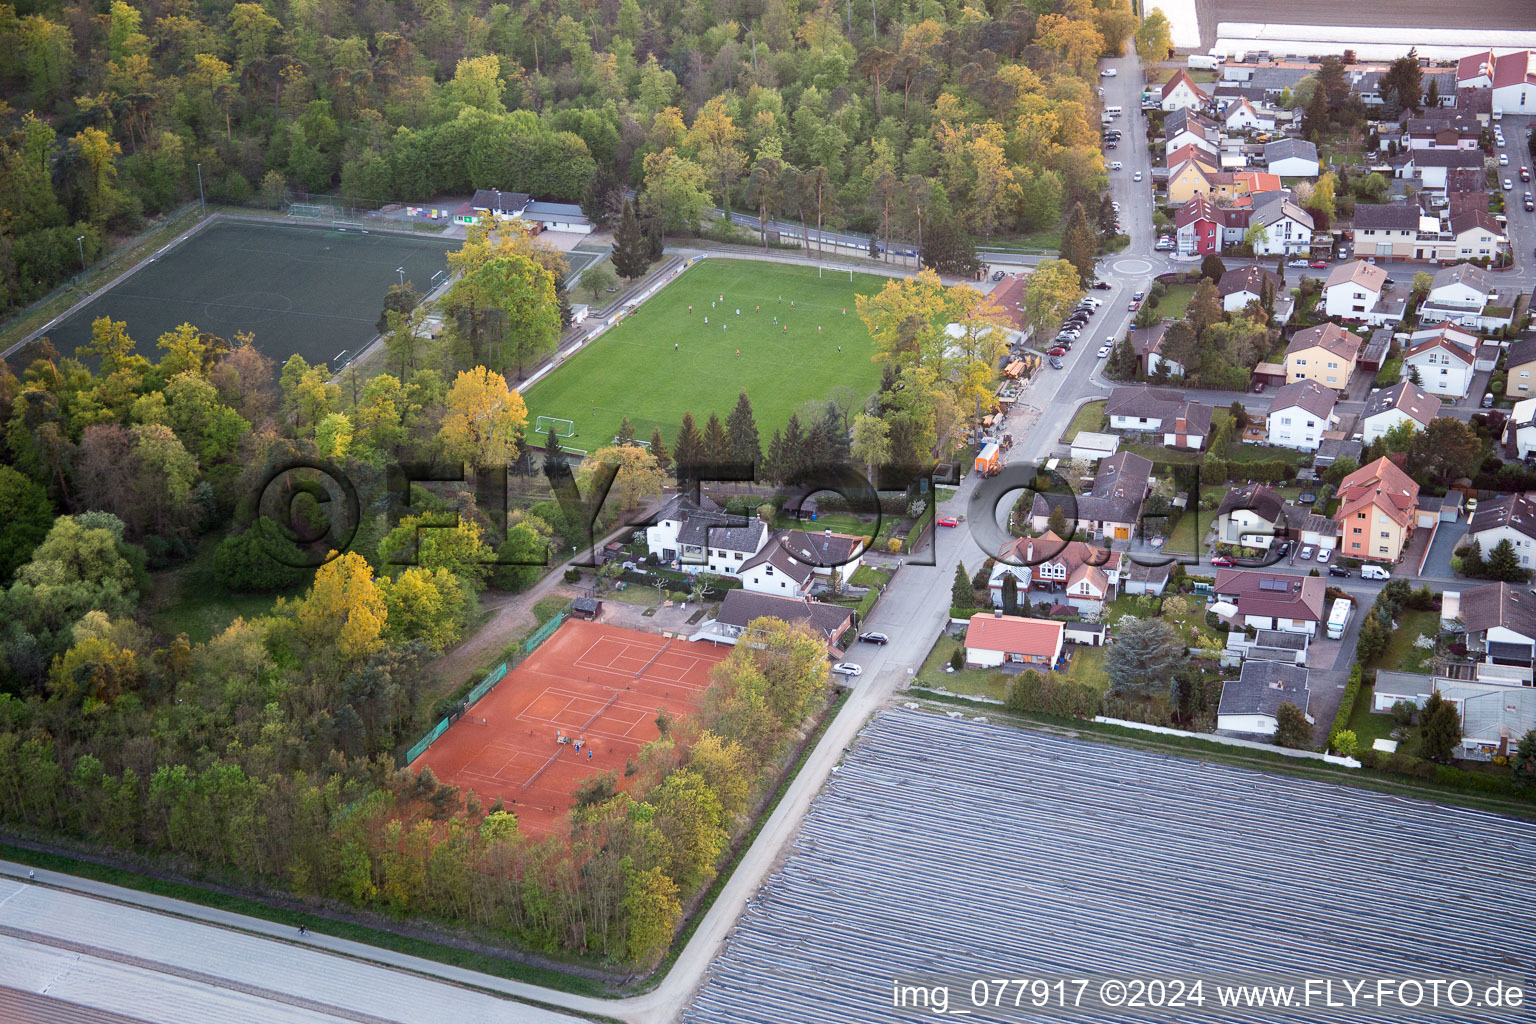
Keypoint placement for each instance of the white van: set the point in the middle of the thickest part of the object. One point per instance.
(1113, 112)
(1116, 165)
(1374, 572)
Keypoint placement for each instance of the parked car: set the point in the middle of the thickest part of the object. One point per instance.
(1108, 73)
(1222, 560)
(1323, 554)
(847, 668)
(1138, 295)
(949, 521)
(1338, 570)
(1104, 351)
(1298, 263)
(1258, 388)
(999, 275)
(1508, 185)
(1057, 351)
(1136, 176)
(874, 638)
(1525, 174)
(1111, 144)
(1283, 548)
(1503, 159)
(1471, 507)
(1374, 572)
(1488, 400)
(1306, 553)
(1117, 166)
(1103, 286)
(1318, 264)
(1055, 363)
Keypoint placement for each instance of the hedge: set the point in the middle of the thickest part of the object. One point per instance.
(1347, 705)
(1441, 774)
(1033, 692)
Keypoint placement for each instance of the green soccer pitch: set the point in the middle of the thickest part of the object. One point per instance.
(664, 360)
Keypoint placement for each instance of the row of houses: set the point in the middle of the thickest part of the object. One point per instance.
(1407, 231)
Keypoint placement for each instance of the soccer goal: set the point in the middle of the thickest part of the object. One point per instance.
(634, 441)
(562, 428)
(307, 211)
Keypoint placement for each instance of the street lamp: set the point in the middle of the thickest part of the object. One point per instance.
(201, 201)
(84, 274)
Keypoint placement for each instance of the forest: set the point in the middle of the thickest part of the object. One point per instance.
(895, 117)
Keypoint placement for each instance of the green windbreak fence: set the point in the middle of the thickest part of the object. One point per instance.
(487, 684)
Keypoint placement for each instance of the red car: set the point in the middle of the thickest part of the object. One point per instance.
(1319, 264)
(1057, 351)
(947, 521)
(1134, 306)
(1223, 560)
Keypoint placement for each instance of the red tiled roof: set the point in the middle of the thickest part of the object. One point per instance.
(1382, 484)
(1014, 634)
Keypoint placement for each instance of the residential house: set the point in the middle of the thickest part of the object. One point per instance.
(1242, 285)
(1378, 506)
(1433, 166)
(1499, 620)
(1509, 77)
(1520, 430)
(1091, 445)
(1271, 600)
(1466, 202)
(1181, 93)
(1049, 569)
(1463, 294)
(1287, 227)
(1510, 517)
(1266, 645)
(1299, 414)
(1386, 229)
(741, 608)
(993, 640)
(1325, 353)
(1403, 402)
(1191, 177)
(1137, 578)
(1445, 359)
(1455, 132)
(1353, 290)
(1197, 228)
(1496, 710)
(1207, 162)
(1240, 115)
(1182, 423)
(1147, 343)
(1112, 507)
(1186, 127)
(1291, 158)
(794, 562)
(701, 535)
(1520, 368)
(1250, 704)
(1251, 516)
(1478, 235)
(1254, 182)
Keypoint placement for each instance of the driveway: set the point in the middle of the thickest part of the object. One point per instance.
(1329, 662)
(1446, 538)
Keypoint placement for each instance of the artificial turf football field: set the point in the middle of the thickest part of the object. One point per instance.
(634, 370)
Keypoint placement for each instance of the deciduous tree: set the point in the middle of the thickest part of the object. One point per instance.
(483, 419)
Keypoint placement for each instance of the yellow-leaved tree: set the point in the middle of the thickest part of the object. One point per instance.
(345, 608)
(639, 476)
(483, 420)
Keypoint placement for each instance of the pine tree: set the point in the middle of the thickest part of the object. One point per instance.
(555, 467)
(1079, 245)
(773, 465)
(792, 459)
(626, 433)
(838, 453)
(716, 447)
(688, 449)
(1291, 727)
(659, 450)
(1212, 268)
(949, 250)
(1056, 522)
(1504, 564)
(960, 593)
(1010, 594)
(631, 252)
(741, 429)
(1432, 96)
(817, 450)
(1439, 728)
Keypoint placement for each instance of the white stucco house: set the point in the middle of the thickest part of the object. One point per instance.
(1403, 402)
(1520, 431)
(1299, 415)
(1445, 359)
(1463, 294)
(1353, 289)
(1287, 227)
(1250, 704)
(1510, 517)
(1291, 158)
(701, 536)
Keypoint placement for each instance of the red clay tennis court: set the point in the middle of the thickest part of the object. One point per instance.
(589, 684)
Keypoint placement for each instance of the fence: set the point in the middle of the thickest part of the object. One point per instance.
(487, 684)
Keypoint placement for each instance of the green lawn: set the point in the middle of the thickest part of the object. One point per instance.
(837, 522)
(1239, 452)
(972, 682)
(1087, 667)
(634, 370)
(868, 576)
(1173, 305)
(1047, 240)
(1090, 418)
(1183, 538)
(1367, 726)
(1401, 655)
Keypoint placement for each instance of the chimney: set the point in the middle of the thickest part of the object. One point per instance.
(1031, 552)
